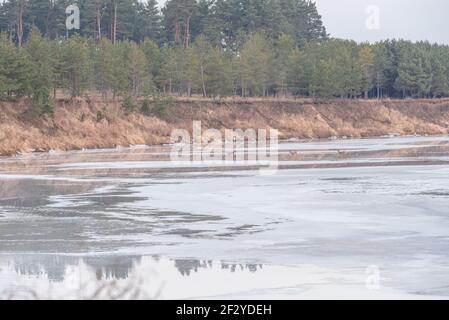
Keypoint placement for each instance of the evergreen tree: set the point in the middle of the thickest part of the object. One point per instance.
(440, 72)
(366, 61)
(46, 15)
(151, 22)
(93, 18)
(295, 73)
(255, 57)
(379, 65)
(304, 22)
(42, 62)
(103, 66)
(41, 72)
(180, 17)
(218, 73)
(414, 71)
(14, 68)
(75, 67)
(281, 64)
(139, 71)
(206, 47)
(155, 61)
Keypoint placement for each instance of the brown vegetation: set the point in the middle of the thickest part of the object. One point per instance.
(96, 123)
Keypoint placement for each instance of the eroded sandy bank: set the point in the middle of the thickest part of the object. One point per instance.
(76, 123)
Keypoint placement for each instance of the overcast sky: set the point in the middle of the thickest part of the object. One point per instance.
(406, 19)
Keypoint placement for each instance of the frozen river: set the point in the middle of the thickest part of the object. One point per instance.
(340, 219)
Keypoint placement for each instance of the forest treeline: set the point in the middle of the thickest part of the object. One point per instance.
(130, 48)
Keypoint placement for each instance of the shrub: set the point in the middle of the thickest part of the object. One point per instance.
(146, 108)
(128, 104)
(161, 105)
(42, 103)
(101, 115)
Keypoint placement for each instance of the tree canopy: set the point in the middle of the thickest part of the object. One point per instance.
(220, 21)
(213, 48)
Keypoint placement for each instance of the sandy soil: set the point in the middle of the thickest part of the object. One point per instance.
(76, 124)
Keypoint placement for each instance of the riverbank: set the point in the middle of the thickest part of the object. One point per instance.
(86, 123)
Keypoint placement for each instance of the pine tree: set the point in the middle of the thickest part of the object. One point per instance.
(46, 15)
(120, 84)
(179, 19)
(379, 65)
(14, 68)
(304, 22)
(255, 57)
(152, 21)
(440, 72)
(170, 71)
(295, 73)
(93, 18)
(202, 51)
(366, 62)
(324, 80)
(42, 72)
(414, 71)
(155, 60)
(42, 61)
(218, 73)
(75, 69)
(103, 67)
(139, 72)
(281, 63)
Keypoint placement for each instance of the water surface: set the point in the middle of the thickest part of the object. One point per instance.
(129, 224)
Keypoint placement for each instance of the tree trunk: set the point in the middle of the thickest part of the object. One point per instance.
(378, 91)
(189, 89)
(187, 33)
(98, 22)
(178, 32)
(114, 6)
(20, 23)
(135, 85)
(202, 80)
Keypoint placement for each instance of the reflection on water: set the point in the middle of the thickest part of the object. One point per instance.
(144, 162)
(161, 278)
(124, 277)
(126, 224)
(110, 267)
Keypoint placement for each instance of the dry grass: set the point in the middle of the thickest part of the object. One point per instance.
(76, 126)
